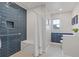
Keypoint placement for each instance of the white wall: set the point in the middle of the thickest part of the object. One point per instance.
(71, 43)
(74, 13)
(42, 27)
(76, 10)
(48, 29)
(31, 17)
(65, 21)
(36, 28)
(48, 36)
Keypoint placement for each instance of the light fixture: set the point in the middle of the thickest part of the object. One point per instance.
(58, 26)
(60, 9)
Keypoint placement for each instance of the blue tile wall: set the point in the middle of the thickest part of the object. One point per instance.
(11, 40)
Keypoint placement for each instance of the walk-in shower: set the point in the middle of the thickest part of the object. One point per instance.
(12, 28)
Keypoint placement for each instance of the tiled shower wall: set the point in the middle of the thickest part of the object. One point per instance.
(12, 28)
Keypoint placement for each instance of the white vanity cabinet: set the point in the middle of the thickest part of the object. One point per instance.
(70, 45)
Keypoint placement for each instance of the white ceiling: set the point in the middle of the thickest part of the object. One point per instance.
(29, 5)
(52, 7)
(55, 6)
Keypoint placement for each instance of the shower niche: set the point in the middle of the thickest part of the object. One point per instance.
(12, 22)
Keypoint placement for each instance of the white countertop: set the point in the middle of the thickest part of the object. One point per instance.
(68, 35)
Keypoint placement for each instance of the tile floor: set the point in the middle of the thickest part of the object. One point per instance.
(54, 50)
(23, 54)
(26, 50)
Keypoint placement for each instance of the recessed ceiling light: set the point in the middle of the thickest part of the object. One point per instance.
(60, 9)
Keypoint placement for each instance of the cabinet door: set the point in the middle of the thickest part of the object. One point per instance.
(56, 37)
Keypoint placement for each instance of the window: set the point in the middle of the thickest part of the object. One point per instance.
(56, 24)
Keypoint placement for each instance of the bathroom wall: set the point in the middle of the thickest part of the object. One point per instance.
(12, 28)
(65, 22)
(71, 43)
(74, 13)
(31, 17)
(36, 28)
(65, 25)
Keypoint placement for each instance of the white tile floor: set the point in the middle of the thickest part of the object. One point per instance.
(26, 50)
(54, 50)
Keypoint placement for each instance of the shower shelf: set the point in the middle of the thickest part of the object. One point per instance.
(11, 34)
